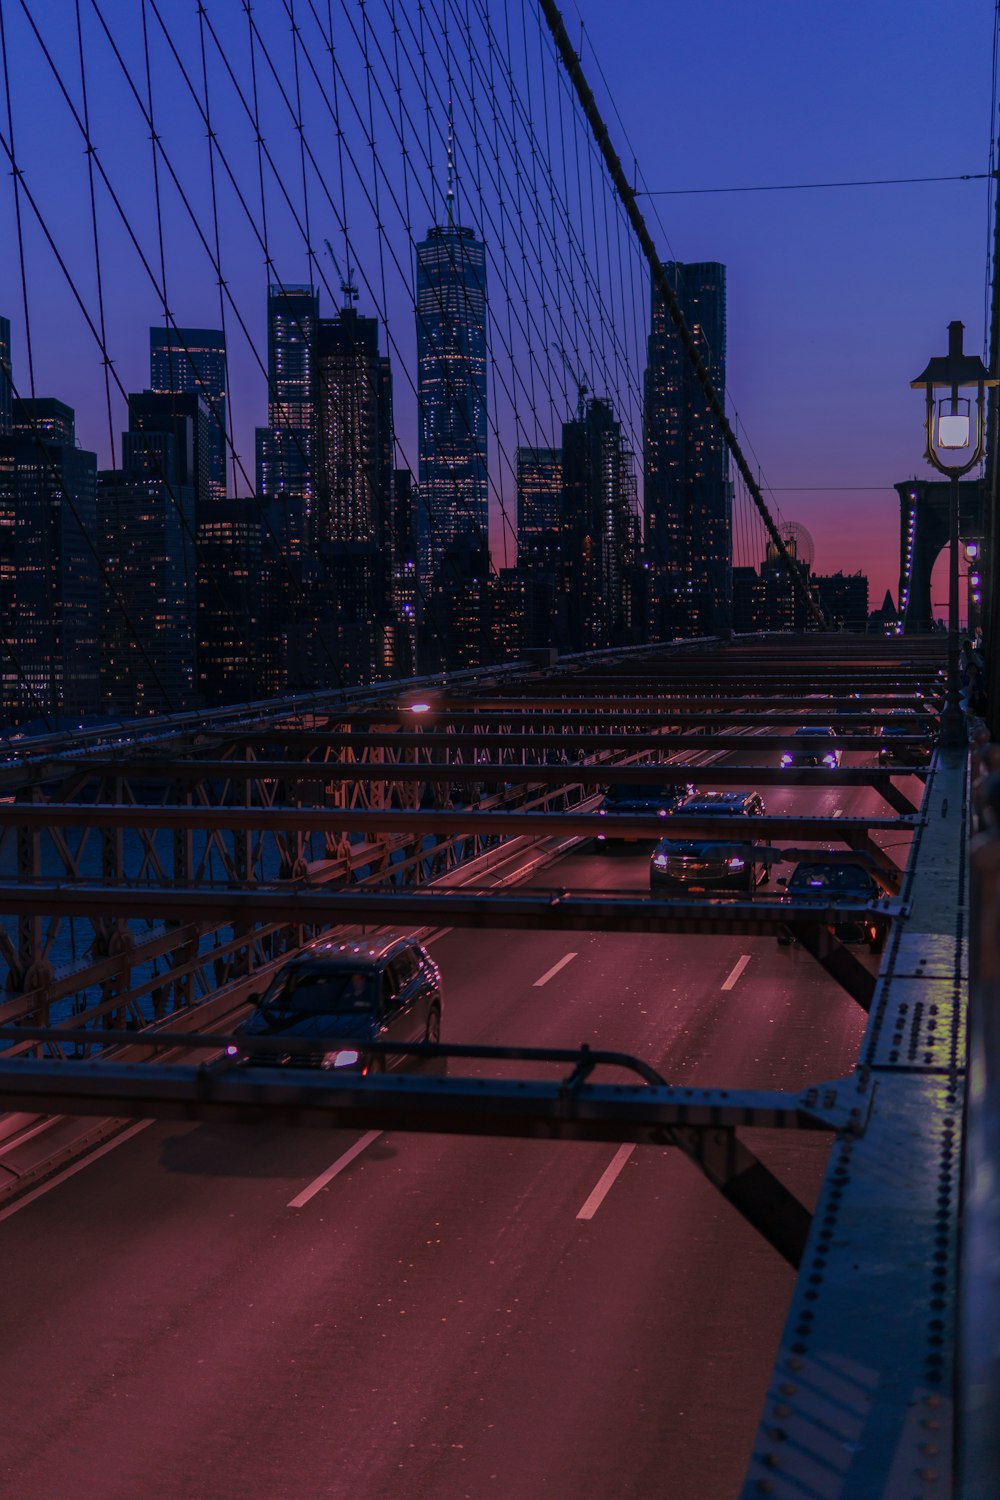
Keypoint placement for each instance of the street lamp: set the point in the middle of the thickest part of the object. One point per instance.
(952, 428)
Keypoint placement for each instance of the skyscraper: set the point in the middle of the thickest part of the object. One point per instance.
(5, 390)
(539, 509)
(405, 577)
(147, 520)
(353, 433)
(688, 495)
(230, 668)
(284, 446)
(597, 568)
(184, 417)
(189, 360)
(49, 576)
(451, 392)
(540, 538)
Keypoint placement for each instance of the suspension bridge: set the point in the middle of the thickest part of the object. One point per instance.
(349, 620)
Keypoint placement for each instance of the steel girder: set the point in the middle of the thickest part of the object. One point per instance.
(703, 1123)
(441, 821)
(323, 775)
(862, 1394)
(613, 701)
(460, 908)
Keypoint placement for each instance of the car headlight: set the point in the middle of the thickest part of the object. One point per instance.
(830, 760)
(786, 760)
(735, 863)
(232, 1051)
(661, 861)
(344, 1057)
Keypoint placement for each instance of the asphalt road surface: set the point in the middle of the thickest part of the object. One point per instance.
(213, 1312)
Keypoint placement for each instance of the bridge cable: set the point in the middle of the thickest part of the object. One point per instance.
(572, 65)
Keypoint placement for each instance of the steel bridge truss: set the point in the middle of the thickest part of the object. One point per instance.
(223, 850)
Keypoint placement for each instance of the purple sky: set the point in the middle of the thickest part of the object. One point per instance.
(837, 298)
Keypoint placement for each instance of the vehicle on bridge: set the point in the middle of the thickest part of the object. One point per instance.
(653, 801)
(893, 751)
(330, 1000)
(812, 748)
(682, 866)
(833, 882)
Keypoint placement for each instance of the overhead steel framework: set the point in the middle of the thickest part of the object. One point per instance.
(184, 864)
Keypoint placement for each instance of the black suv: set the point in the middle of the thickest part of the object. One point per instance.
(699, 865)
(892, 749)
(386, 989)
(654, 801)
(832, 883)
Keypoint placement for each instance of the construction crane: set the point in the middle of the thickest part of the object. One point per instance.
(581, 385)
(347, 287)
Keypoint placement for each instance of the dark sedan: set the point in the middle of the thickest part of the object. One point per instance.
(833, 883)
(685, 866)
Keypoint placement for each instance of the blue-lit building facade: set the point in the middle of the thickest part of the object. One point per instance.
(451, 397)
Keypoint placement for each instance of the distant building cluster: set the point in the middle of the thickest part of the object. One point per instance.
(764, 599)
(150, 587)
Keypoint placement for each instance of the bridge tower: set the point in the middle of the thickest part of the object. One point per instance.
(923, 535)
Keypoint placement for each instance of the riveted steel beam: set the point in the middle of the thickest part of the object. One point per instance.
(702, 1123)
(550, 735)
(557, 910)
(329, 772)
(439, 820)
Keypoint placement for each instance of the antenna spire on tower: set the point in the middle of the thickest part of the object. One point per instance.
(451, 165)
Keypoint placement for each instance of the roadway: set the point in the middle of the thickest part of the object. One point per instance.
(256, 1313)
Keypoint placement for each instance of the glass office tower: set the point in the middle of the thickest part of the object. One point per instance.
(688, 495)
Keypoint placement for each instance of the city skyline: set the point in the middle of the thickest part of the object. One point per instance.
(824, 407)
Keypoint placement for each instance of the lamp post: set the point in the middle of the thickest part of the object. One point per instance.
(949, 428)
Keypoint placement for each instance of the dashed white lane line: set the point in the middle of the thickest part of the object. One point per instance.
(551, 973)
(85, 1161)
(606, 1182)
(738, 968)
(839, 813)
(301, 1199)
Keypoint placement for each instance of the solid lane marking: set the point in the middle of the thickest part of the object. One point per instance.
(567, 958)
(606, 1182)
(53, 1182)
(738, 968)
(338, 1166)
(442, 932)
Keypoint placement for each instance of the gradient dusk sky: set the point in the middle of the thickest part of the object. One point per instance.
(836, 297)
